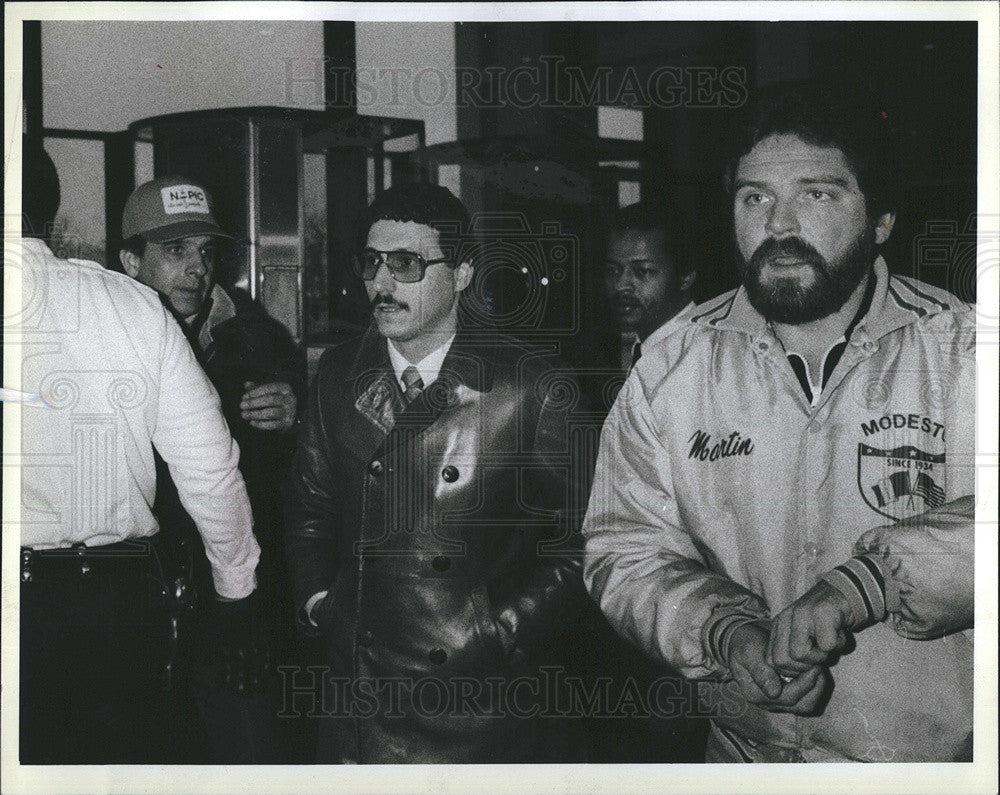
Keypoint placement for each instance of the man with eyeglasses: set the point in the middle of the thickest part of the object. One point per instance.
(430, 520)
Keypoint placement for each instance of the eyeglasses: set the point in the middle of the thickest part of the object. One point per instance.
(405, 266)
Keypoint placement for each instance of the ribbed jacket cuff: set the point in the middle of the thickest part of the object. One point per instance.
(719, 632)
(864, 583)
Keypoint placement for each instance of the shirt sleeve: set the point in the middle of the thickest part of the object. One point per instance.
(642, 566)
(192, 437)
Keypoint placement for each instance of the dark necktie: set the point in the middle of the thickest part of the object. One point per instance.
(413, 384)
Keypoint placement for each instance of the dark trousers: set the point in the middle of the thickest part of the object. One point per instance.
(95, 630)
(245, 728)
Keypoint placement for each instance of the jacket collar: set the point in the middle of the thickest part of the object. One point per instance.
(468, 367)
(220, 309)
(893, 306)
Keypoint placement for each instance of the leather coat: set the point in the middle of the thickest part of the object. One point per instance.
(445, 533)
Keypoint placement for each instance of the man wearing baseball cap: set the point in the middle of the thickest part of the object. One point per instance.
(169, 233)
(169, 243)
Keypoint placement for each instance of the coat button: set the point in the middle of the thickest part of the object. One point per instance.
(366, 638)
(375, 468)
(450, 474)
(438, 656)
(441, 563)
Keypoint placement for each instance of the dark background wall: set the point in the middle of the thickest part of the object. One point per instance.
(924, 72)
(539, 163)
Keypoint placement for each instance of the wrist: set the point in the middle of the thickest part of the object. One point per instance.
(858, 587)
(734, 633)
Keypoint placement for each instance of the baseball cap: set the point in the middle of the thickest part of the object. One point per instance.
(169, 208)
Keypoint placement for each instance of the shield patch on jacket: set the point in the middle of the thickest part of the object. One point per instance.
(902, 481)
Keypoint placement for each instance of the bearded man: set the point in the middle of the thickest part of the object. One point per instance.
(754, 445)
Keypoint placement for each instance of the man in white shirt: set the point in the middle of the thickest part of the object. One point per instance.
(430, 522)
(98, 599)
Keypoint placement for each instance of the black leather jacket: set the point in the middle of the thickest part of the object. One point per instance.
(446, 536)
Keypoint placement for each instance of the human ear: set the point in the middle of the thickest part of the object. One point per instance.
(463, 276)
(883, 228)
(130, 262)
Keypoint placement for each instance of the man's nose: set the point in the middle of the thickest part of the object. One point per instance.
(198, 264)
(624, 282)
(782, 220)
(383, 280)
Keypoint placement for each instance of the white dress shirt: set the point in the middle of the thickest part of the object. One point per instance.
(119, 378)
(429, 367)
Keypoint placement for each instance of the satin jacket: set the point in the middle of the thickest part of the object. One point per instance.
(721, 493)
(444, 533)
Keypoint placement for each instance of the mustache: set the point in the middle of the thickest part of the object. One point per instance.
(387, 300)
(787, 247)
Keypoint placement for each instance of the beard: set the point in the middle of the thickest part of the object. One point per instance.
(785, 299)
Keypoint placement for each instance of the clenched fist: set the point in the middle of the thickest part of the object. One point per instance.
(268, 407)
(762, 684)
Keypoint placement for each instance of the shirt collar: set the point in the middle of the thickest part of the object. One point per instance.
(863, 308)
(429, 367)
(221, 309)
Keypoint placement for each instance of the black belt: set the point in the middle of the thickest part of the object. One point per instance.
(81, 560)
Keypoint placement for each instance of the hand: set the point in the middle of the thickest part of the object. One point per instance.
(242, 652)
(761, 683)
(268, 407)
(932, 560)
(810, 630)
